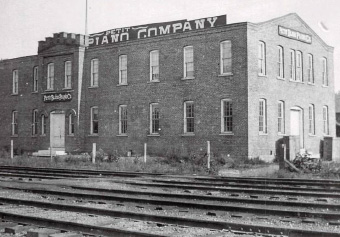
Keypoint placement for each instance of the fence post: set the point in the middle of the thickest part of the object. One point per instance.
(208, 153)
(94, 149)
(145, 147)
(11, 149)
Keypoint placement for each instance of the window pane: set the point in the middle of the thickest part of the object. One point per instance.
(226, 57)
(190, 123)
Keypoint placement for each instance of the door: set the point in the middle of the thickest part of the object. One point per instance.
(57, 126)
(296, 126)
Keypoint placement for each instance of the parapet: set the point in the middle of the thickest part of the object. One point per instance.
(63, 38)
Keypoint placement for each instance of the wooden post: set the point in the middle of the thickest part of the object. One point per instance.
(208, 153)
(145, 147)
(11, 149)
(94, 148)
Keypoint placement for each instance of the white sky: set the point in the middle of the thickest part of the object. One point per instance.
(24, 22)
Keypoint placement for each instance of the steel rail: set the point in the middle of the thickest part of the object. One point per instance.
(214, 198)
(45, 174)
(288, 181)
(83, 171)
(261, 186)
(73, 226)
(238, 190)
(219, 225)
(205, 206)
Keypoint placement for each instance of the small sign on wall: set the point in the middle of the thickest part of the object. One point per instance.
(57, 97)
(296, 35)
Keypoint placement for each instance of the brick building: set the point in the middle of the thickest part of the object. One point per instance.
(245, 87)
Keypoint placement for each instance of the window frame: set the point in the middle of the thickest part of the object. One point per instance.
(225, 115)
(263, 130)
(15, 82)
(262, 70)
(43, 124)
(310, 69)
(188, 54)
(68, 74)
(35, 78)
(94, 72)
(94, 121)
(122, 60)
(299, 66)
(71, 127)
(50, 76)
(325, 120)
(154, 53)
(34, 122)
(123, 120)
(281, 117)
(189, 120)
(292, 65)
(14, 123)
(281, 63)
(324, 72)
(226, 56)
(154, 119)
(311, 119)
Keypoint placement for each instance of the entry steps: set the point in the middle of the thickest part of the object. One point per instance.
(53, 152)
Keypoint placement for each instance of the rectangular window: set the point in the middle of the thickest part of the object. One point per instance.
(15, 82)
(123, 70)
(188, 62)
(292, 65)
(281, 118)
(35, 79)
(43, 125)
(227, 116)
(225, 61)
(262, 116)
(299, 69)
(262, 58)
(280, 63)
(311, 119)
(71, 124)
(310, 69)
(94, 72)
(14, 122)
(154, 65)
(325, 120)
(123, 119)
(189, 117)
(94, 120)
(324, 72)
(68, 74)
(50, 76)
(35, 122)
(154, 118)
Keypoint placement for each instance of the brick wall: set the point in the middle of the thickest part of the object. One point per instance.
(294, 94)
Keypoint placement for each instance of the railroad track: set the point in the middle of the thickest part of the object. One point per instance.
(172, 201)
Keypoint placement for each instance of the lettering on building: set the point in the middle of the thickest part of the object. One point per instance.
(57, 97)
(153, 30)
(296, 35)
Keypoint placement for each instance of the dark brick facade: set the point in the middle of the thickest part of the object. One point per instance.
(244, 88)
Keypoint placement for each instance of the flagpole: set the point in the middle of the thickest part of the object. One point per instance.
(86, 19)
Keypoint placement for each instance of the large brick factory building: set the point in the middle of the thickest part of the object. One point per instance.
(245, 87)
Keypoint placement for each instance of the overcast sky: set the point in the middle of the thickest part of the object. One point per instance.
(24, 22)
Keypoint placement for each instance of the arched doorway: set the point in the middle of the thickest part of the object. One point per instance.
(296, 126)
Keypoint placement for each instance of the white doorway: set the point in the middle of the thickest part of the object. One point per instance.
(296, 125)
(57, 130)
